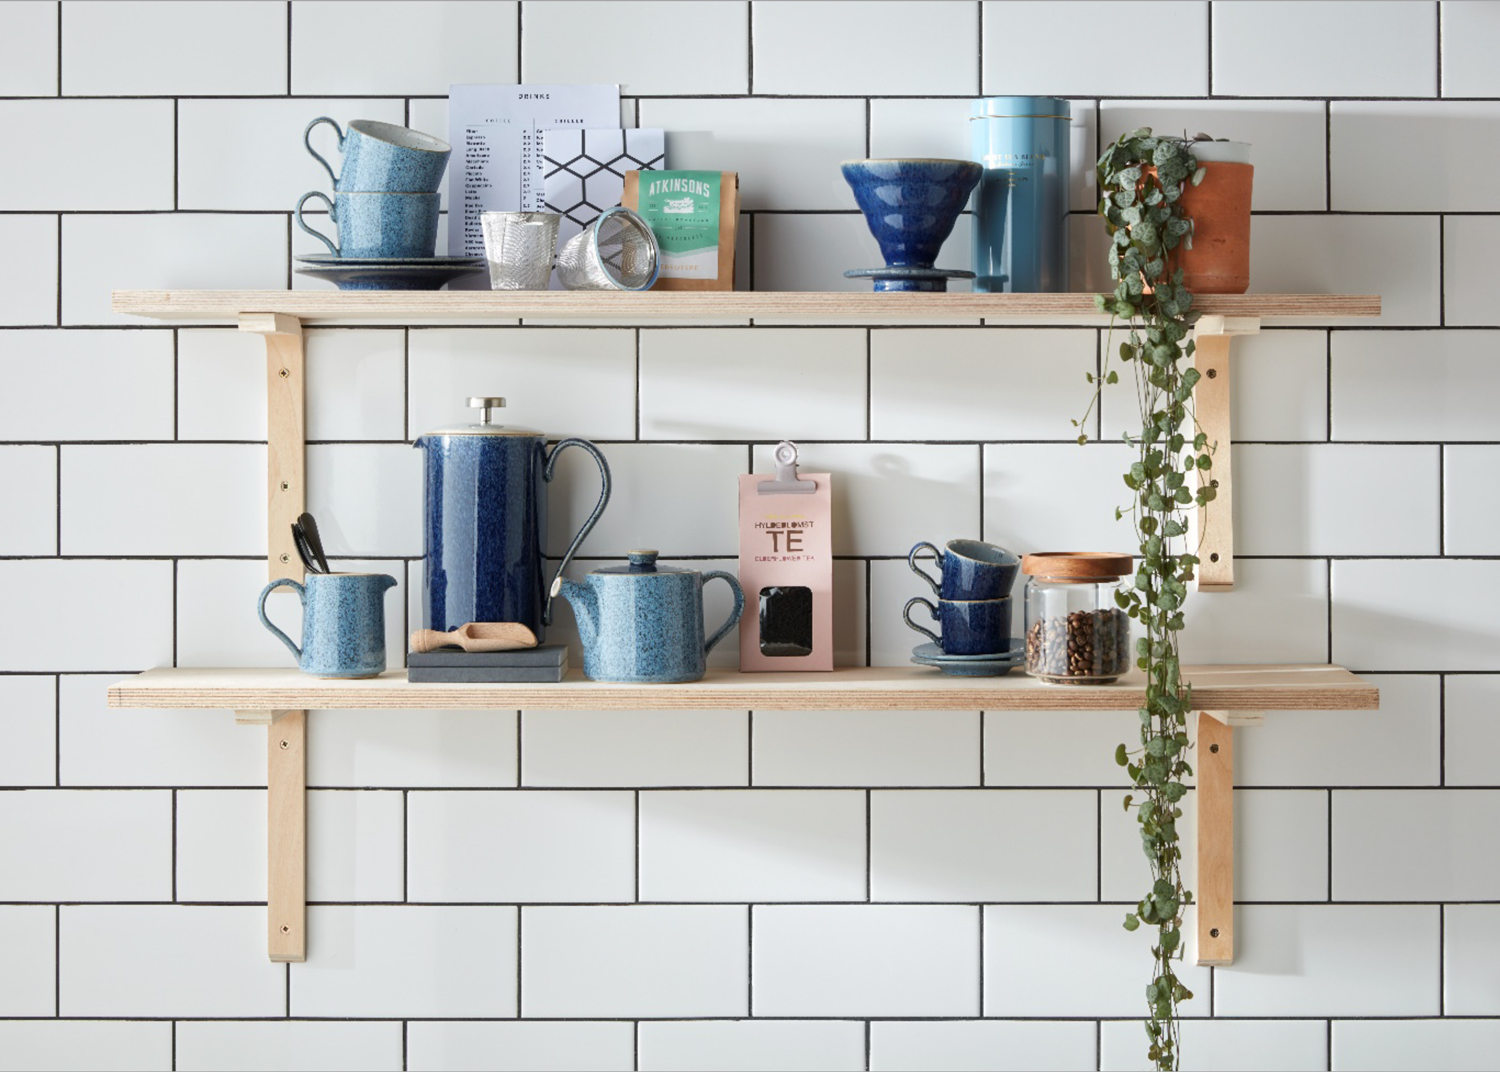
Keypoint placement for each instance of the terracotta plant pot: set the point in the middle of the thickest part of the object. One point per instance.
(1219, 262)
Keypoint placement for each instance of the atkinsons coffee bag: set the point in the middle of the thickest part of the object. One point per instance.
(694, 215)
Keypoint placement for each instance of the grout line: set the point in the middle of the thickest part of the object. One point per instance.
(405, 847)
(749, 960)
(57, 482)
(1442, 271)
(521, 42)
(979, 72)
(982, 773)
(637, 384)
(174, 846)
(1328, 1045)
(59, 323)
(637, 838)
(520, 722)
(57, 960)
(1442, 730)
(174, 1046)
(60, 48)
(57, 730)
(1442, 490)
(1329, 806)
(404, 1048)
(176, 385)
(980, 1010)
(1437, 17)
(176, 156)
(635, 1045)
(750, 749)
(288, 48)
(174, 611)
(1328, 156)
(868, 124)
(1442, 960)
(869, 856)
(1209, 28)
(520, 993)
(1098, 1044)
(750, 49)
(867, 1046)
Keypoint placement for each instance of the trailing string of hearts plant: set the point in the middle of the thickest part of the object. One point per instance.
(1142, 179)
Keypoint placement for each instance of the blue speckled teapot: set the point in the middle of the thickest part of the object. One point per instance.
(485, 488)
(644, 622)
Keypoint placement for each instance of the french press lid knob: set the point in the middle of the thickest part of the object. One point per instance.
(484, 405)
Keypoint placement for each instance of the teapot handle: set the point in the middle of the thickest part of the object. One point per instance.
(604, 489)
(734, 615)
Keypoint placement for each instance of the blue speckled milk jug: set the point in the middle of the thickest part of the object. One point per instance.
(644, 622)
(1021, 208)
(343, 623)
(485, 489)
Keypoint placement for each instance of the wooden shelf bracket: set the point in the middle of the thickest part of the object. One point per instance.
(286, 731)
(1214, 888)
(1213, 401)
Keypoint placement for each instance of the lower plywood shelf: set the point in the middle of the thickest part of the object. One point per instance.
(1223, 696)
(876, 688)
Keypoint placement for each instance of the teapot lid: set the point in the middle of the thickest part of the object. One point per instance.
(485, 427)
(642, 564)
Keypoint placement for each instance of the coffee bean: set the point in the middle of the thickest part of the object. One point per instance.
(1083, 648)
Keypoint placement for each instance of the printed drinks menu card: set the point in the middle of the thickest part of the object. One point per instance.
(496, 134)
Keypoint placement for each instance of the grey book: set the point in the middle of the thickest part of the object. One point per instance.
(486, 674)
(545, 655)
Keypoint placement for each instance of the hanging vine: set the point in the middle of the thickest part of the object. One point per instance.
(1141, 183)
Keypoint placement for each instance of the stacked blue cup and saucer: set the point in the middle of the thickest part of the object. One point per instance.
(972, 612)
(385, 208)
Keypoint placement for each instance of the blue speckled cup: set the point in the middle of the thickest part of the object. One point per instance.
(343, 623)
(970, 627)
(384, 157)
(378, 225)
(971, 569)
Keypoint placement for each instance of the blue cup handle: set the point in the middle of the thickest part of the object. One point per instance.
(911, 560)
(906, 616)
(302, 223)
(588, 526)
(266, 591)
(307, 141)
(734, 615)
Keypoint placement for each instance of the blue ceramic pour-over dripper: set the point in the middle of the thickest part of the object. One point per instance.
(911, 206)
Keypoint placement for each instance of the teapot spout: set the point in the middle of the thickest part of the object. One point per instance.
(387, 582)
(585, 606)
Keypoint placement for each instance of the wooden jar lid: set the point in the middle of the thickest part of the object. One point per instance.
(1078, 565)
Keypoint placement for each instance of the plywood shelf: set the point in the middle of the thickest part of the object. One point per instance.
(1225, 688)
(316, 306)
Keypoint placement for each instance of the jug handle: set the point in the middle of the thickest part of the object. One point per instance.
(267, 590)
(734, 615)
(604, 489)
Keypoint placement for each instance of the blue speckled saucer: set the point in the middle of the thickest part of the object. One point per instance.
(996, 665)
(371, 273)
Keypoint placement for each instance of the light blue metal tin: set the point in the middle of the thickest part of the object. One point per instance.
(1021, 207)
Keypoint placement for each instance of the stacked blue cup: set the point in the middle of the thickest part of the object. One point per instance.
(385, 200)
(973, 607)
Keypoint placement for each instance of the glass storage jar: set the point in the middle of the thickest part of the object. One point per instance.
(1076, 634)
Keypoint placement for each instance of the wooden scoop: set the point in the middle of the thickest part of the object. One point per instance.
(476, 636)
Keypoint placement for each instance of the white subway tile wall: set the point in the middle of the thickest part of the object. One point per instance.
(738, 889)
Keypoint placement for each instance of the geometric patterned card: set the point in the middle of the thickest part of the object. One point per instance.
(584, 170)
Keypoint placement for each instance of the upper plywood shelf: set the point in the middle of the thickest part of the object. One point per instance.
(881, 688)
(322, 305)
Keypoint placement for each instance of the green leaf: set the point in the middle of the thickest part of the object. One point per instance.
(1132, 921)
(1120, 757)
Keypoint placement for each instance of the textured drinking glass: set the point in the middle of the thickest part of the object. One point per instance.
(617, 251)
(520, 247)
